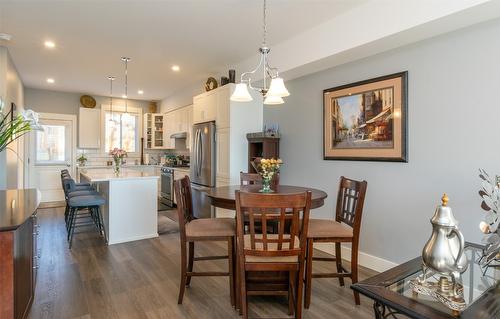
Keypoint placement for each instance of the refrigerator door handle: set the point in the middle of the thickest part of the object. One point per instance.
(200, 153)
(195, 153)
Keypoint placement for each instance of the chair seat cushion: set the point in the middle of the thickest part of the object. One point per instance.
(211, 227)
(82, 193)
(324, 228)
(270, 247)
(82, 188)
(86, 201)
(82, 184)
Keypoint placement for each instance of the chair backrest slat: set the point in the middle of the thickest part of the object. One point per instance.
(292, 214)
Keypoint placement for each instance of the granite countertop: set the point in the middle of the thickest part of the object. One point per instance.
(16, 206)
(110, 176)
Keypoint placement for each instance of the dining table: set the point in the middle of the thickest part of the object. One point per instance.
(225, 197)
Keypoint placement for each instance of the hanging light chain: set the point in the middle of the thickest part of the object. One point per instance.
(126, 60)
(111, 79)
(264, 25)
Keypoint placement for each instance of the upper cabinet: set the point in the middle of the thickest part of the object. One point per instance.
(154, 127)
(89, 128)
(158, 128)
(205, 107)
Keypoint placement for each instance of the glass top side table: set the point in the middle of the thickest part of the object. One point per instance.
(394, 297)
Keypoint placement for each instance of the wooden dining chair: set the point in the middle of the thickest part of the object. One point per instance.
(206, 229)
(281, 252)
(256, 179)
(345, 228)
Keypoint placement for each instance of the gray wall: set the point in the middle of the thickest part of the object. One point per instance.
(11, 90)
(454, 112)
(45, 101)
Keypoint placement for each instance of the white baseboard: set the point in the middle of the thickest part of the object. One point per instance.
(366, 260)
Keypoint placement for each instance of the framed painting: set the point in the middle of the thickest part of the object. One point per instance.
(367, 120)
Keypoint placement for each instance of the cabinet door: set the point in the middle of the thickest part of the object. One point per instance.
(222, 136)
(89, 128)
(158, 131)
(24, 262)
(223, 104)
(197, 109)
(169, 125)
(189, 125)
(210, 107)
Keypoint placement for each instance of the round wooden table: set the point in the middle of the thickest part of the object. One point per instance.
(224, 197)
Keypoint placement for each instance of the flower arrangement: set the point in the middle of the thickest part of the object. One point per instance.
(267, 168)
(13, 127)
(490, 194)
(118, 155)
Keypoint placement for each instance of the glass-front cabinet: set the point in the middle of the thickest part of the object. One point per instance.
(153, 130)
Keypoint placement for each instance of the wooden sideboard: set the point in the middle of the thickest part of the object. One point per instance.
(18, 251)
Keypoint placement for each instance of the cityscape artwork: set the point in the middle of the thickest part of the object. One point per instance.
(366, 120)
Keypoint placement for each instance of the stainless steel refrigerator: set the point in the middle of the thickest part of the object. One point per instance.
(202, 168)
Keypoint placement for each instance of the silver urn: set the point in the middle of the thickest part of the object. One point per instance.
(444, 251)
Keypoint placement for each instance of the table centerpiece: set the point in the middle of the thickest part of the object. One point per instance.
(267, 169)
(118, 155)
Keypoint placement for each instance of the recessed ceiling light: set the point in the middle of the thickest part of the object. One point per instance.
(49, 44)
(140, 92)
(176, 68)
(124, 96)
(50, 80)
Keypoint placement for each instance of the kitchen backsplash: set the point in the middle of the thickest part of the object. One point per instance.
(98, 158)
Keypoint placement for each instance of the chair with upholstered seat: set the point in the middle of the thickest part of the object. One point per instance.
(281, 252)
(195, 230)
(344, 229)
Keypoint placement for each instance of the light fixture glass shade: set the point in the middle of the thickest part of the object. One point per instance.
(241, 93)
(277, 88)
(273, 100)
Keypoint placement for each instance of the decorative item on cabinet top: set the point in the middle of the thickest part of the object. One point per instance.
(211, 84)
(87, 101)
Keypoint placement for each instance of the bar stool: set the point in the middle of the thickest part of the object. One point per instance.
(71, 189)
(92, 204)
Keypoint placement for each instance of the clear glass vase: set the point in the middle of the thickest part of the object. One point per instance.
(117, 166)
(266, 185)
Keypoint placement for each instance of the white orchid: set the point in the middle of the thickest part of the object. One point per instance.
(12, 128)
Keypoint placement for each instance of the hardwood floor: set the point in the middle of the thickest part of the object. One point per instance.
(141, 280)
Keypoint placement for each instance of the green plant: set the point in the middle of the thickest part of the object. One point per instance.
(13, 127)
(81, 159)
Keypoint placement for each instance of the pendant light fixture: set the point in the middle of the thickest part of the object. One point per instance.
(276, 90)
(126, 60)
(111, 79)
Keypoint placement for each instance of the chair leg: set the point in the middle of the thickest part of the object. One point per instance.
(73, 225)
(338, 261)
(190, 262)
(354, 270)
(299, 287)
(231, 268)
(101, 223)
(243, 291)
(183, 272)
(291, 300)
(308, 286)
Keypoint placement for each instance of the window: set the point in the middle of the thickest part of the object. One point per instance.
(51, 144)
(121, 132)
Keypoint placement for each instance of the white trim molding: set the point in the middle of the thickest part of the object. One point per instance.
(366, 260)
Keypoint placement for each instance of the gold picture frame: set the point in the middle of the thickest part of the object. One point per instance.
(367, 120)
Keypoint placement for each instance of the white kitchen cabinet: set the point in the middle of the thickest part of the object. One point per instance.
(189, 125)
(154, 131)
(205, 107)
(223, 106)
(170, 125)
(89, 128)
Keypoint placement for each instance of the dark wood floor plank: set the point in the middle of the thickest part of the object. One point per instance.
(141, 280)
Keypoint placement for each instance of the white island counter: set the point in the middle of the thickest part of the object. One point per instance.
(130, 212)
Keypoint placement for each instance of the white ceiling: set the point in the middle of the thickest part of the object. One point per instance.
(200, 36)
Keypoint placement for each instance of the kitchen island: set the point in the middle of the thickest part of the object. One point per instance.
(130, 212)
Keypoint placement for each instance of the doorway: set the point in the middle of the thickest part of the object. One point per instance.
(51, 151)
